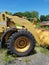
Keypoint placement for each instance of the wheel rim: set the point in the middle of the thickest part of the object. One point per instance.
(22, 44)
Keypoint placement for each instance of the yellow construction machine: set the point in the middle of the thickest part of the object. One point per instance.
(20, 35)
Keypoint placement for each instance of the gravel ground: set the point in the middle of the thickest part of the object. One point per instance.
(36, 59)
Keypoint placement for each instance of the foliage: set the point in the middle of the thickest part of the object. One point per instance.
(42, 18)
(38, 25)
(34, 14)
(27, 14)
(20, 14)
(47, 17)
(5, 57)
(43, 50)
(46, 27)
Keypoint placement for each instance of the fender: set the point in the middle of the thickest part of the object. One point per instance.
(4, 35)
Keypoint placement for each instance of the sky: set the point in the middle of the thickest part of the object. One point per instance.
(42, 6)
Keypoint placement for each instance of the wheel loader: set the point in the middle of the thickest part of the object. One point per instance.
(20, 36)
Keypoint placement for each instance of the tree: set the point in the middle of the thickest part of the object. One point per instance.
(34, 14)
(20, 14)
(47, 17)
(27, 14)
(42, 18)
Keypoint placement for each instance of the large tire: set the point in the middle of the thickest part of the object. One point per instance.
(14, 44)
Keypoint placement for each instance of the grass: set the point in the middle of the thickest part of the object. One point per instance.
(9, 58)
(27, 60)
(42, 50)
(5, 57)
